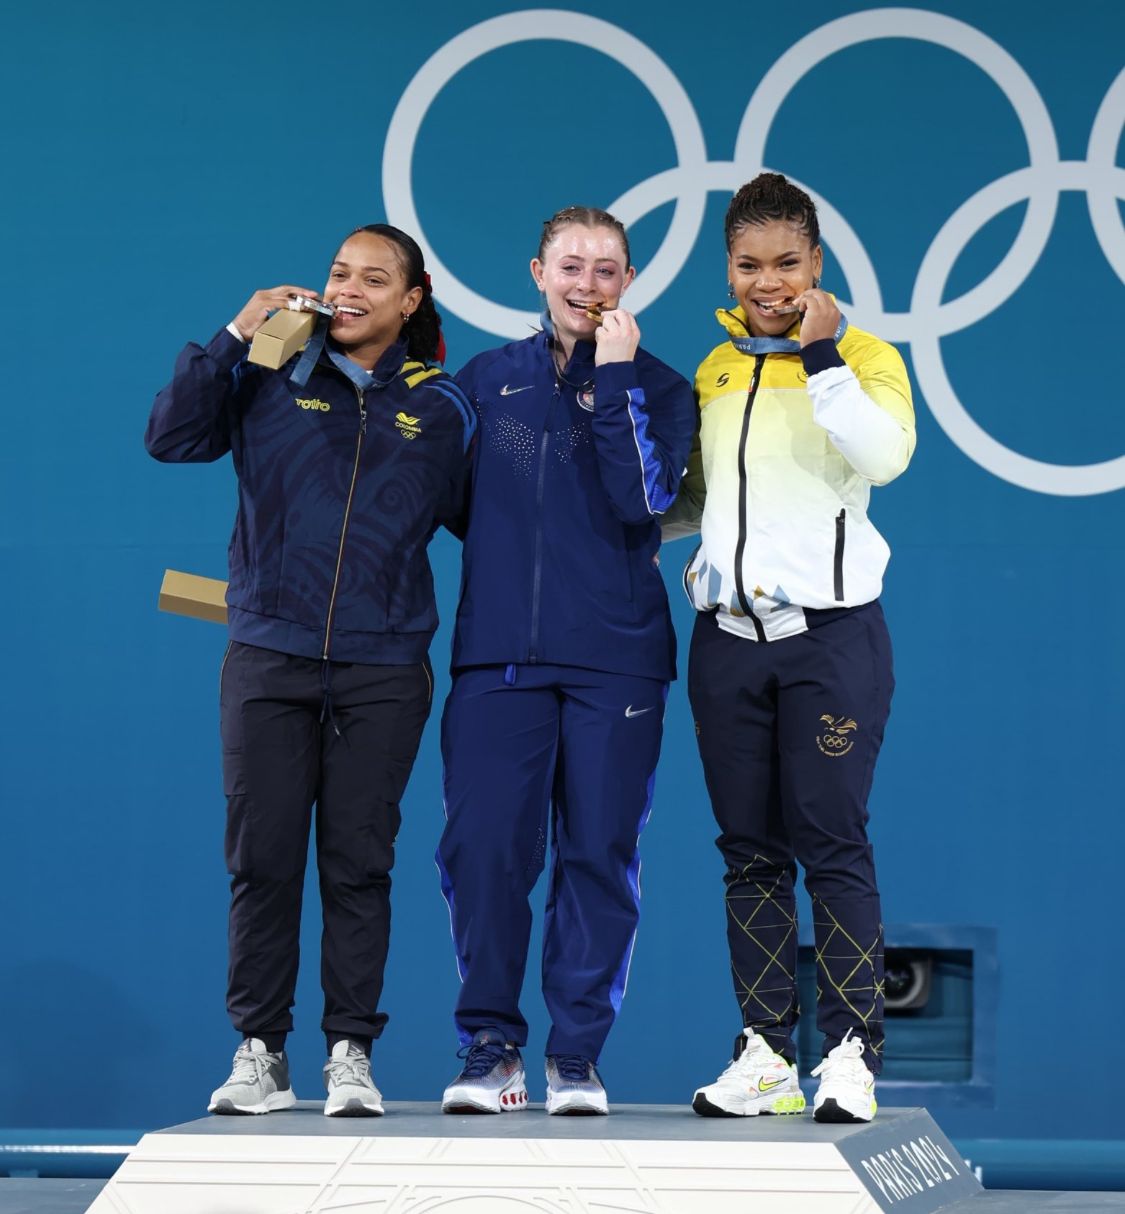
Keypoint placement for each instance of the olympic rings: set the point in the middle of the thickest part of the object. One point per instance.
(694, 176)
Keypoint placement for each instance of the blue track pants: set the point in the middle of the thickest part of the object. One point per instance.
(534, 756)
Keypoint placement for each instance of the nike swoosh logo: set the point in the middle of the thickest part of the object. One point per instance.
(638, 712)
(767, 1085)
(506, 391)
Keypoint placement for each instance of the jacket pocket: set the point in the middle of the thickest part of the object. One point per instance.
(838, 557)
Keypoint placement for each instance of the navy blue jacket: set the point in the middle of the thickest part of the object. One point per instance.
(339, 492)
(570, 477)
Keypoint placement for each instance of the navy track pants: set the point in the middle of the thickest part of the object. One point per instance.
(789, 732)
(542, 754)
(279, 758)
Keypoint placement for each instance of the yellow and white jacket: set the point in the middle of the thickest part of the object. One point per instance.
(788, 447)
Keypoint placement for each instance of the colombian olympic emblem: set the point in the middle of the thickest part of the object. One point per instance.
(694, 176)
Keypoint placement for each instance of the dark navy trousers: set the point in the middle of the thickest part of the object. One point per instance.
(540, 756)
(279, 758)
(789, 732)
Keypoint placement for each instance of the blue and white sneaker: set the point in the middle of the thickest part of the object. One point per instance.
(574, 1086)
(847, 1087)
(492, 1080)
(258, 1083)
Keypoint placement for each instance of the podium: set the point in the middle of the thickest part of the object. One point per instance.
(642, 1159)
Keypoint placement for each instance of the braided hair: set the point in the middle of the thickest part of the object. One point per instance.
(770, 197)
(424, 341)
(587, 217)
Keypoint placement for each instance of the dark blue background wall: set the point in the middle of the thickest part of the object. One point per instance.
(161, 164)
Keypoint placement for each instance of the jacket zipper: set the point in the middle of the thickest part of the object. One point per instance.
(743, 495)
(344, 527)
(838, 557)
(537, 568)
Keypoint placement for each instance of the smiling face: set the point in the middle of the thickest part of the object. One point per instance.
(582, 266)
(367, 283)
(769, 264)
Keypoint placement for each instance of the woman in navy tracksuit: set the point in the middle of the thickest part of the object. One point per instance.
(347, 458)
(562, 656)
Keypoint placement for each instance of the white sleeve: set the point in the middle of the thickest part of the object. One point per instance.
(876, 445)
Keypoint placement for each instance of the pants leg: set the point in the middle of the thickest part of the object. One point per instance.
(380, 712)
(611, 731)
(269, 710)
(499, 744)
(834, 700)
(733, 693)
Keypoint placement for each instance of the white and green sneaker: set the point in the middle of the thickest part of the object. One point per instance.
(847, 1087)
(258, 1083)
(351, 1090)
(757, 1081)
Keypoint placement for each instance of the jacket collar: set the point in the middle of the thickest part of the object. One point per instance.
(321, 350)
(582, 357)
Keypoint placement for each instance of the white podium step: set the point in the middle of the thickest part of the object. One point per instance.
(642, 1159)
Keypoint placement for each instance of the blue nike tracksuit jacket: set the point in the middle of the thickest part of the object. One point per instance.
(565, 510)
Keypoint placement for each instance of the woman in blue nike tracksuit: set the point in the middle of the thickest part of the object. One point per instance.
(347, 458)
(562, 656)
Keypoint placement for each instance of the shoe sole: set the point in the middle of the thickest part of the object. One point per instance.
(355, 1108)
(274, 1103)
(782, 1106)
(570, 1108)
(510, 1100)
(834, 1114)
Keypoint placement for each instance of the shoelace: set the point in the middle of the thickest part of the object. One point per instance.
(845, 1061)
(480, 1058)
(249, 1066)
(355, 1068)
(572, 1067)
(752, 1057)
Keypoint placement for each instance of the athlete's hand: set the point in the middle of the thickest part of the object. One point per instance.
(617, 337)
(820, 318)
(262, 303)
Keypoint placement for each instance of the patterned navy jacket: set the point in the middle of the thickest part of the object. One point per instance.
(340, 488)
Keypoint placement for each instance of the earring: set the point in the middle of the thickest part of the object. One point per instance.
(815, 283)
(730, 289)
(405, 317)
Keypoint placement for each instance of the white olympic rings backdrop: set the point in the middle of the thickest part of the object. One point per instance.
(687, 185)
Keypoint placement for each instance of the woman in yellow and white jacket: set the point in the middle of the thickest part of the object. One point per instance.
(790, 675)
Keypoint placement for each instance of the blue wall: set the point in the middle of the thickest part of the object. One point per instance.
(162, 163)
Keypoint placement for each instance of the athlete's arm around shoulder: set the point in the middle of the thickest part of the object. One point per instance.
(861, 396)
(686, 514)
(453, 509)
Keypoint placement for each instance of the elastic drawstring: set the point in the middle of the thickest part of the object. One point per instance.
(326, 704)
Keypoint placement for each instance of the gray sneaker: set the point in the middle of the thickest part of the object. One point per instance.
(351, 1090)
(574, 1086)
(258, 1083)
(492, 1080)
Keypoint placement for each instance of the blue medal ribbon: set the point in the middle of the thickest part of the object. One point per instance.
(780, 345)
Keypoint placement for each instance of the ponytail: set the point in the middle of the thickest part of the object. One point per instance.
(422, 330)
